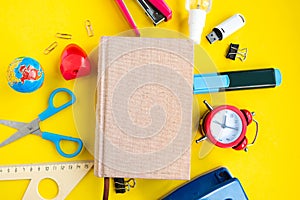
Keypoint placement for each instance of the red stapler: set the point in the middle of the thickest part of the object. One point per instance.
(157, 10)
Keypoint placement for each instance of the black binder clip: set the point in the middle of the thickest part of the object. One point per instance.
(235, 52)
(122, 186)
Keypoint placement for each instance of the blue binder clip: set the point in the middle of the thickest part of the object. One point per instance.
(215, 185)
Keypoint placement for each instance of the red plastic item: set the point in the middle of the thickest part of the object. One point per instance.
(162, 6)
(242, 145)
(211, 137)
(248, 116)
(74, 62)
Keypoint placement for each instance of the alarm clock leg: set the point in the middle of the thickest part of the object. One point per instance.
(201, 139)
(208, 105)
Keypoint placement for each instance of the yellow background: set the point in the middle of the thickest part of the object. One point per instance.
(267, 171)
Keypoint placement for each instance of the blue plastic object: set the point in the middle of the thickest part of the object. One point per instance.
(25, 74)
(56, 139)
(51, 110)
(278, 77)
(215, 185)
(237, 80)
(206, 83)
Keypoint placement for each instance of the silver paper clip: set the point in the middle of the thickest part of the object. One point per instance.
(235, 52)
(64, 36)
(89, 28)
(50, 48)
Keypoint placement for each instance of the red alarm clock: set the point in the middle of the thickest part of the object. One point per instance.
(226, 126)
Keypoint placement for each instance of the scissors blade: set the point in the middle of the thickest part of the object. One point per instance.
(13, 124)
(13, 138)
(24, 130)
(37, 132)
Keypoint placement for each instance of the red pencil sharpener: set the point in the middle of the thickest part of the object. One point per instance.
(74, 62)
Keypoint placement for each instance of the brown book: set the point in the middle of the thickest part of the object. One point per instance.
(144, 108)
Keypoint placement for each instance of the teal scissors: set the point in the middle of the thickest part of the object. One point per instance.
(34, 128)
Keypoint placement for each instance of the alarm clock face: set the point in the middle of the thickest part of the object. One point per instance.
(225, 126)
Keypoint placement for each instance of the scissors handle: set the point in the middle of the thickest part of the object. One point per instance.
(56, 139)
(51, 110)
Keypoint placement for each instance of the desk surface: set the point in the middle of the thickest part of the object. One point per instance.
(267, 171)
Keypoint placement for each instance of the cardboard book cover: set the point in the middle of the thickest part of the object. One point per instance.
(144, 108)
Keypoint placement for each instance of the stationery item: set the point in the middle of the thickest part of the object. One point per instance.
(226, 28)
(225, 126)
(128, 16)
(237, 80)
(34, 128)
(157, 10)
(122, 186)
(215, 185)
(206, 83)
(151, 11)
(106, 183)
(162, 7)
(89, 28)
(66, 174)
(197, 16)
(235, 52)
(144, 108)
(74, 62)
(50, 48)
(253, 79)
(25, 74)
(64, 36)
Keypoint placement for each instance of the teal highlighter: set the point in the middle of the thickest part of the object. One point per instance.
(237, 80)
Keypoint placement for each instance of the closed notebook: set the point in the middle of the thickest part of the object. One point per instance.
(144, 108)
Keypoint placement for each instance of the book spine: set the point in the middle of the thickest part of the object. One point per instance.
(100, 111)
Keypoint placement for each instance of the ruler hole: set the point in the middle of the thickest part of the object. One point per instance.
(48, 188)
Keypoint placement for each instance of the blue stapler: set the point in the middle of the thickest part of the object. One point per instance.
(215, 185)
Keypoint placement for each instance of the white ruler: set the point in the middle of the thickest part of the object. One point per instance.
(66, 174)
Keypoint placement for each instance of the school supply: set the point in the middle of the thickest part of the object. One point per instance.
(197, 16)
(226, 28)
(225, 126)
(25, 74)
(157, 10)
(34, 128)
(89, 28)
(128, 16)
(74, 62)
(235, 52)
(65, 36)
(144, 108)
(50, 48)
(237, 80)
(215, 185)
(122, 185)
(66, 174)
